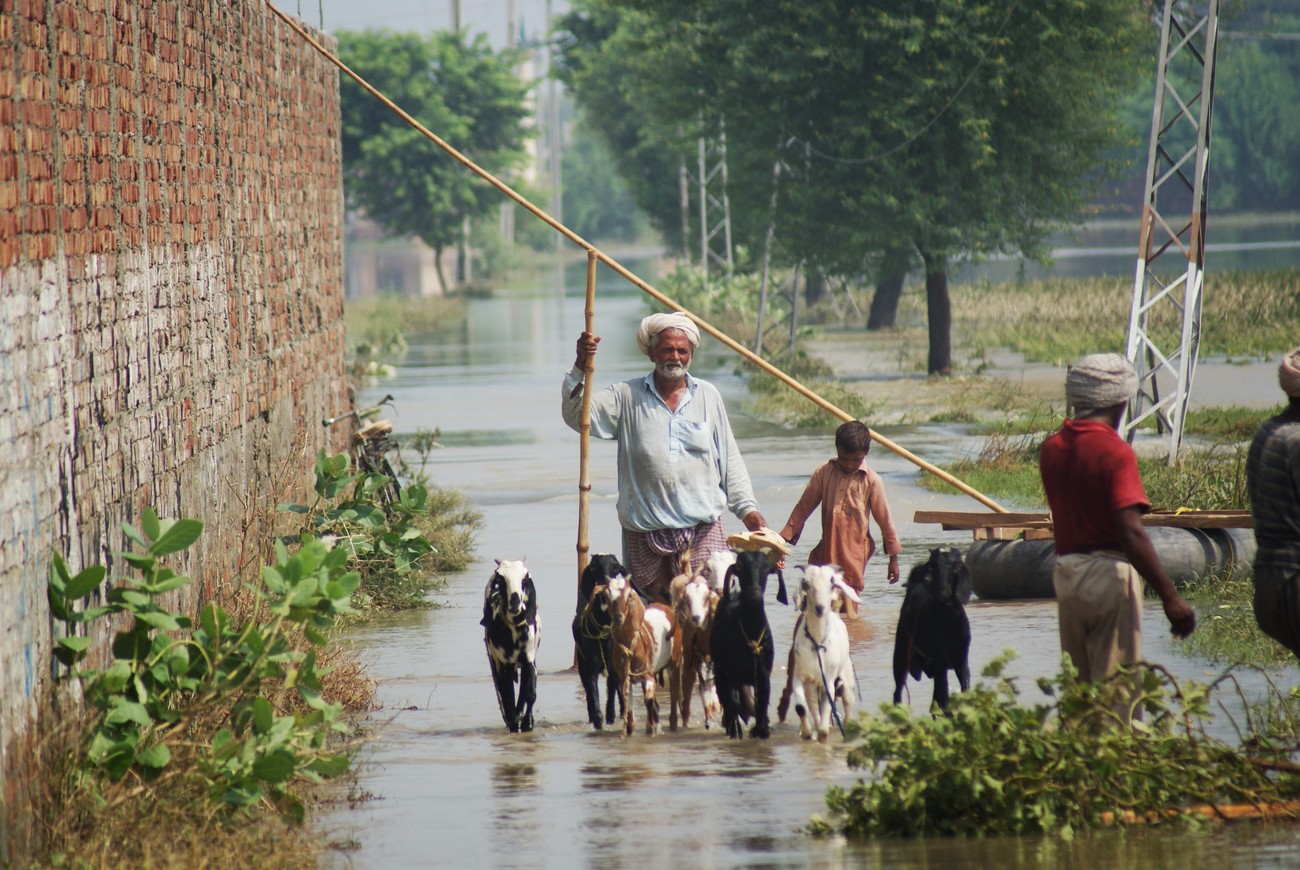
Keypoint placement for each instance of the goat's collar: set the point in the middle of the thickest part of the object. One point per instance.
(812, 640)
(755, 645)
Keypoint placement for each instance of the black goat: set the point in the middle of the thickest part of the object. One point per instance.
(511, 633)
(933, 632)
(742, 646)
(591, 627)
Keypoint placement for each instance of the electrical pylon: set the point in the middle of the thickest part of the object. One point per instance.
(1165, 318)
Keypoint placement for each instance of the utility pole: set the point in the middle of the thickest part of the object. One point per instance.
(554, 135)
(506, 221)
(1165, 318)
(714, 206)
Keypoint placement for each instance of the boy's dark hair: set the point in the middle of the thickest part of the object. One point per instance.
(853, 436)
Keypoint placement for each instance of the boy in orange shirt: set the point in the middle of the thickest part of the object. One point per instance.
(849, 494)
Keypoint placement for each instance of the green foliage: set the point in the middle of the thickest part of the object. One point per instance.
(382, 541)
(165, 672)
(942, 127)
(451, 521)
(994, 766)
(597, 203)
(1256, 129)
(461, 91)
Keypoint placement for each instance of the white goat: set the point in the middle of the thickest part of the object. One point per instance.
(823, 670)
(715, 568)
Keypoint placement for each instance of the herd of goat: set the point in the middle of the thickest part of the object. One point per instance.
(714, 638)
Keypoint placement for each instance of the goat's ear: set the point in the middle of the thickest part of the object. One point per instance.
(780, 588)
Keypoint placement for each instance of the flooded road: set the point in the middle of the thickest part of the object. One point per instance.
(450, 786)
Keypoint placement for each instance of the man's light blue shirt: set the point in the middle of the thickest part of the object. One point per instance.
(675, 470)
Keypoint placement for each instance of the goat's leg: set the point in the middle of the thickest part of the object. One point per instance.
(941, 688)
(762, 700)
(503, 677)
(686, 676)
(674, 696)
(611, 692)
(783, 706)
(824, 702)
(651, 704)
(800, 698)
(709, 702)
(527, 695)
(963, 674)
(591, 688)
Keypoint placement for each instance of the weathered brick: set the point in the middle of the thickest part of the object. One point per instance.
(171, 357)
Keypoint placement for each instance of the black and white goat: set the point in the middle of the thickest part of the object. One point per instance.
(933, 632)
(742, 645)
(511, 633)
(822, 670)
(591, 637)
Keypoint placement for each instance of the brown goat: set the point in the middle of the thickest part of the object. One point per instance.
(642, 647)
(694, 603)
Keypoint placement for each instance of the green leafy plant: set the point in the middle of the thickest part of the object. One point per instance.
(382, 541)
(166, 674)
(994, 766)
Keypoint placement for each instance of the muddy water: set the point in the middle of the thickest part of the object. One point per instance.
(451, 788)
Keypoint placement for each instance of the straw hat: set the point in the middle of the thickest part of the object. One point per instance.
(763, 539)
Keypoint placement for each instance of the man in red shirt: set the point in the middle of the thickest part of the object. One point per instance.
(1094, 491)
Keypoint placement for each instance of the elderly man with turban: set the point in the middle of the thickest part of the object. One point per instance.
(678, 465)
(1273, 484)
(1096, 496)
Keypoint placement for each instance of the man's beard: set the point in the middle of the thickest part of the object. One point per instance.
(671, 370)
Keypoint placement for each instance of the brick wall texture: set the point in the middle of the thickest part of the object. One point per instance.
(171, 320)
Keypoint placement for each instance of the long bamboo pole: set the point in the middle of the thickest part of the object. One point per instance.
(584, 425)
(592, 250)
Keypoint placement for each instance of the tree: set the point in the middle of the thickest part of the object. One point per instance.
(938, 130)
(597, 203)
(462, 91)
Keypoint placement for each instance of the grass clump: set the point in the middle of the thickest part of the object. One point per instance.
(1243, 314)
(1226, 630)
(1209, 479)
(994, 766)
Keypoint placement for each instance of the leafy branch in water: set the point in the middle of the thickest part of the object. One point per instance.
(166, 675)
(993, 766)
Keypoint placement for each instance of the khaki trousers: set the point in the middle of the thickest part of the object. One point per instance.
(1099, 602)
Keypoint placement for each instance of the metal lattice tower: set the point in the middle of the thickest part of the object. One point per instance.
(1165, 319)
(714, 206)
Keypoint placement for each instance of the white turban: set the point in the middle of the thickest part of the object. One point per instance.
(657, 323)
(1099, 380)
(1288, 374)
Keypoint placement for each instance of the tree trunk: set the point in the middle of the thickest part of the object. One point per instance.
(814, 286)
(939, 313)
(437, 265)
(884, 304)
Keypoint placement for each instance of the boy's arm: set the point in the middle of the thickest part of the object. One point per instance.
(812, 496)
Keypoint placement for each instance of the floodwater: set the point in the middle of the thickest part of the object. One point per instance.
(451, 787)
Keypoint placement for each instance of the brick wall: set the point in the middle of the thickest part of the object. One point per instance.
(170, 292)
